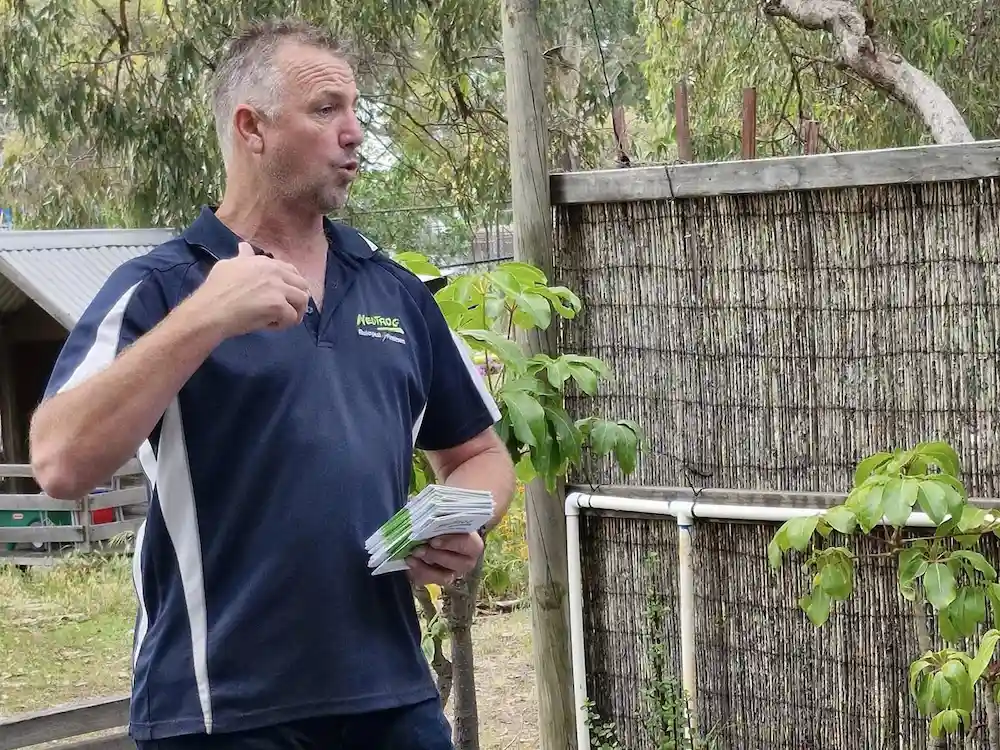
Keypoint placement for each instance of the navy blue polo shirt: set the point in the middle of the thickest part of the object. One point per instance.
(278, 458)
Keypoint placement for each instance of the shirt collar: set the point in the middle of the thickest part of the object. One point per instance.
(210, 234)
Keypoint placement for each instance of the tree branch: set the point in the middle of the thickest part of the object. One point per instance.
(883, 69)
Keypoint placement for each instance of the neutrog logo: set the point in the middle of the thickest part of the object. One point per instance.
(381, 327)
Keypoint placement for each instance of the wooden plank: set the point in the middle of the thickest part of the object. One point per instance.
(103, 531)
(52, 534)
(682, 125)
(62, 722)
(36, 502)
(117, 740)
(748, 133)
(917, 164)
(117, 498)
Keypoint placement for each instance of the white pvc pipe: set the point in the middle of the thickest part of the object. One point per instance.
(575, 582)
(685, 511)
(685, 591)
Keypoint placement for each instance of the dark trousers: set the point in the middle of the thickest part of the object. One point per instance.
(419, 727)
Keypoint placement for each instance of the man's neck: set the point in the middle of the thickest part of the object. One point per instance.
(281, 229)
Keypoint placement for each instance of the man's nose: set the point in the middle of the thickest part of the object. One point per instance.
(351, 135)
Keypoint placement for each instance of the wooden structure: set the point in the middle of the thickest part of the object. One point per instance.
(45, 542)
(47, 278)
(104, 720)
(770, 322)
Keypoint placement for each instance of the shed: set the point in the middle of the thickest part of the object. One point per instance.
(47, 279)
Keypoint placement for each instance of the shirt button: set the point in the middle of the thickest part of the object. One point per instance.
(309, 310)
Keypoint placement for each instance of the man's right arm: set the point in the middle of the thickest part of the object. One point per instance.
(84, 433)
(128, 358)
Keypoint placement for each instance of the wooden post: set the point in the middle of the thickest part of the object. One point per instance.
(811, 137)
(546, 522)
(749, 132)
(682, 122)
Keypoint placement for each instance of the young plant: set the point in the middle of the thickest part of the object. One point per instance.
(942, 568)
(487, 310)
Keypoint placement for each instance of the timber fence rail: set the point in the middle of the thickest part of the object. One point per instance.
(36, 529)
(104, 720)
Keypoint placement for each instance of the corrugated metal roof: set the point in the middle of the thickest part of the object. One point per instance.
(62, 270)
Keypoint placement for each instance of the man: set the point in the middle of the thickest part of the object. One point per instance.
(244, 364)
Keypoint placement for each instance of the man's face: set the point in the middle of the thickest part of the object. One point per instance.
(311, 148)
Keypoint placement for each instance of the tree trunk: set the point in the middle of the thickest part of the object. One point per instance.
(527, 130)
(460, 611)
(867, 56)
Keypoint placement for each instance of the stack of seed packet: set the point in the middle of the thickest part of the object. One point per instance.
(433, 511)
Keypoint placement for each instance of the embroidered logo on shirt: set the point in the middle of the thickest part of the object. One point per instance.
(381, 327)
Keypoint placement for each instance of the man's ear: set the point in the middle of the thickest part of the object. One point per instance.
(247, 128)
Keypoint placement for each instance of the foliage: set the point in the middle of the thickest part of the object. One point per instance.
(505, 560)
(603, 735)
(943, 569)
(722, 46)
(110, 107)
(486, 309)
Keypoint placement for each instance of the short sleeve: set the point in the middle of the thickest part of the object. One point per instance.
(129, 304)
(459, 405)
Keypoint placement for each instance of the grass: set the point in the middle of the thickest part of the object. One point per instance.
(66, 633)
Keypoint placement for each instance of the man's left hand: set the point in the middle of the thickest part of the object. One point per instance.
(444, 559)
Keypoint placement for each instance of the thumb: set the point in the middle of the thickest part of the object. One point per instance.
(245, 250)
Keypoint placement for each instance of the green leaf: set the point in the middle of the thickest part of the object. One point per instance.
(912, 564)
(527, 417)
(964, 614)
(417, 264)
(525, 470)
(564, 302)
(567, 435)
(525, 274)
(963, 697)
(585, 378)
(603, 437)
(943, 455)
(939, 585)
(869, 465)
(933, 500)
(626, 449)
(816, 605)
(798, 531)
(866, 502)
(978, 563)
(899, 496)
(984, 655)
(945, 722)
(842, 519)
(532, 311)
(836, 577)
(993, 594)
(508, 351)
(774, 553)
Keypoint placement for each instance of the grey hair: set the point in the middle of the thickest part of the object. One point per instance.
(248, 74)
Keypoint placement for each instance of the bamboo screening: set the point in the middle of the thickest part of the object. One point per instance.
(768, 342)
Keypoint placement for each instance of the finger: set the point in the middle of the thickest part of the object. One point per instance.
(463, 544)
(421, 573)
(244, 250)
(450, 561)
(291, 276)
(298, 299)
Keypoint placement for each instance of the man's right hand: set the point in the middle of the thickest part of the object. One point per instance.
(249, 292)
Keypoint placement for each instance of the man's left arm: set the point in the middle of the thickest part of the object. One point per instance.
(458, 437)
